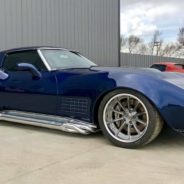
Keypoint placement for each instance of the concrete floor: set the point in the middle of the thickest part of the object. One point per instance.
(30, 155)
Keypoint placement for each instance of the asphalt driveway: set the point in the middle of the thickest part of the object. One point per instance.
(31, 155)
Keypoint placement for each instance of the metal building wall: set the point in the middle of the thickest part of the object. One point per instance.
(89, 26)
(136, 60)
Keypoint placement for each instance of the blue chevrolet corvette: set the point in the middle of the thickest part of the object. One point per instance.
(60, 89)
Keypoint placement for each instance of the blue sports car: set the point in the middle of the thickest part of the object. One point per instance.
(60, 89)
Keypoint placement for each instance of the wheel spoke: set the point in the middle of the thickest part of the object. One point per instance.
(141, 122)
(118, 119)
(135, 108)
(121, 128)
(129, 132)
(109, 122)
(128, 103)
(118, 112)
(140, 114)
(136, 128)
(121, 105)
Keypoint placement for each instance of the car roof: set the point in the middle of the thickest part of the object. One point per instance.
(31, 48)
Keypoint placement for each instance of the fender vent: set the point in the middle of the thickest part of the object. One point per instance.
(74, 105)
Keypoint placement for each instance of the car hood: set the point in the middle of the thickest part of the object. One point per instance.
(141, 71)
(148, 71)
(171, 77)
(120, 73)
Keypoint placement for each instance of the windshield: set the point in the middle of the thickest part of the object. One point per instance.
(62, 59)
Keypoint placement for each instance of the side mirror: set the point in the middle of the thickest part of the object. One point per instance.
(3, 75)
(29, 67)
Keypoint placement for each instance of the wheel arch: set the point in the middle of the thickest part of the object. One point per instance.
(100, 98)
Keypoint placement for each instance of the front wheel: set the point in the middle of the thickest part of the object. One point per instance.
(128, 119)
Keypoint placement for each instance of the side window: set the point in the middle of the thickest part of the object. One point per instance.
(31, 57)
(162, 68)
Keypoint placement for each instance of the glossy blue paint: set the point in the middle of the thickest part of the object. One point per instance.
(75, 92)
(95, 82)
(21, 91)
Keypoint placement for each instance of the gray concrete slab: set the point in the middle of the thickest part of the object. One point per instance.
(31, 155)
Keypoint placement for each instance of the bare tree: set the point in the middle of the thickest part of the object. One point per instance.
(135, 45)
(181, 36)
(142, 49)
(178, 52)
(133, 42)
(168, 50)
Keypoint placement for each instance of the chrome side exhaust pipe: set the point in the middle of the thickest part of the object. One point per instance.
(48, 121)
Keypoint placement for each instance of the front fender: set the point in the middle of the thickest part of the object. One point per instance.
(167, 98)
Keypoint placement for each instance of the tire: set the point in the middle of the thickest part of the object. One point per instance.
(128, 119)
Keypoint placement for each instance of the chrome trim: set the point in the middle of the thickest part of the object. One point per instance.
(49, 121)
(44, 60)
(53, 48)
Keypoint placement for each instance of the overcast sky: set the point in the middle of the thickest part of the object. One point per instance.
(143, 17)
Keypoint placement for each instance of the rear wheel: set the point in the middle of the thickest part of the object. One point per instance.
(128, 119)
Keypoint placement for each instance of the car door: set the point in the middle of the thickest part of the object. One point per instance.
(24, 92)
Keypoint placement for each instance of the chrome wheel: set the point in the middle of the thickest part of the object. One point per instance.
(126, 118)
